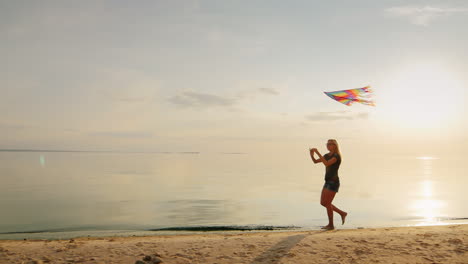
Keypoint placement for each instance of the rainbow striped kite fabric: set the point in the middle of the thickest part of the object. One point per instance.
(348, 97)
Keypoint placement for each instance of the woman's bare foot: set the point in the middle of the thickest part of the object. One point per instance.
(343, 218)
(328, 227)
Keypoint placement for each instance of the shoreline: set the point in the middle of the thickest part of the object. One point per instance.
(65, 234)
(415, 244)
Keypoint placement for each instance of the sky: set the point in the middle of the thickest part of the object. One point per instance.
(233, 76)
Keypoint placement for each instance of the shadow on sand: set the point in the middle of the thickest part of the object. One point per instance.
(276, 252)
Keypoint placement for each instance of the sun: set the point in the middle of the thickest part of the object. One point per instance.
(422, 96)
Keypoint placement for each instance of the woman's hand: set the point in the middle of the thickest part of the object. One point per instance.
(312, 150)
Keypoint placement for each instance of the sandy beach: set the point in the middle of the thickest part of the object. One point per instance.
(431, 244)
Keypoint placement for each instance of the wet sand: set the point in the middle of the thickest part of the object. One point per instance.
(431, 244)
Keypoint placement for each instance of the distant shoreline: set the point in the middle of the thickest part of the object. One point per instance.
(114, 151)
(98, 151)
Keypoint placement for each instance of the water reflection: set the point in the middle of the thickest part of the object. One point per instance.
(42, 160)
(200, 212)
(426, 206)
(429, 209)
(137, 191)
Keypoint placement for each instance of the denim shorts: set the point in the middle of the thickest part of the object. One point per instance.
(332, 186)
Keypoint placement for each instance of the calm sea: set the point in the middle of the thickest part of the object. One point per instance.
(65, 194)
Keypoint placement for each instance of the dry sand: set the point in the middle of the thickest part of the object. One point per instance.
(434, 244)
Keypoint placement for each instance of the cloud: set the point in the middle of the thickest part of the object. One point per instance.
(122, 134)
(270, 91)
(338, 115)
(196, 99)
(8, 126)
(255, 93)
(423, 16)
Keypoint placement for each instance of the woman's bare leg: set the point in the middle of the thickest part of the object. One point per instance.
(343, 214)
(326, 201)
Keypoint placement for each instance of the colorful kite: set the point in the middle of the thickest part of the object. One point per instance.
(348, 97)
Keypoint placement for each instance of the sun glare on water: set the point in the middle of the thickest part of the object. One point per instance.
(426, 206)
(426, 158)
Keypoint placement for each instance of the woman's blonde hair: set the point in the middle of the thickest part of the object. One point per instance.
(337, 147)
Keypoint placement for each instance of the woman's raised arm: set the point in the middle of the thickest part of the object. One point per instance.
(323, 160)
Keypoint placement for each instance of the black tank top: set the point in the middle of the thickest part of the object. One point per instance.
(331, 173)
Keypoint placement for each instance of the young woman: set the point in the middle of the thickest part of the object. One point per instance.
(332, 161)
